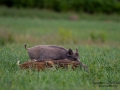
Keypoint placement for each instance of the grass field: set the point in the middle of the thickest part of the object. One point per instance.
(103, 63)
(26, 30)
(98, 42)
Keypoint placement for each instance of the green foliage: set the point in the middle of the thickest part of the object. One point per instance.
(66, 36)
(48, 14)
(102, 37)
(96, 37)
(44, 31)
(88, 6)
(6, 37)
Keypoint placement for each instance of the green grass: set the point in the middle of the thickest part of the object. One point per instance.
(27, 30)
(102, 58)
(103, 63)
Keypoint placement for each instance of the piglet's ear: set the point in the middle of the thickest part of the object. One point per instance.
(70, 52)
(48, 63)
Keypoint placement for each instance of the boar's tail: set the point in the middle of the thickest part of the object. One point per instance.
(26, 46)
(18, 63)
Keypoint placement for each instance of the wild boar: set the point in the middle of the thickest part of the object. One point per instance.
(36, 65)
(46, 52)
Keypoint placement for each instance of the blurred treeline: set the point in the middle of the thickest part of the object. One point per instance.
(87, 6)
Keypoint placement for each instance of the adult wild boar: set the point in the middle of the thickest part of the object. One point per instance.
(46, 52)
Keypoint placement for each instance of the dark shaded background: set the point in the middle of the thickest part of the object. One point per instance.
(88, 6)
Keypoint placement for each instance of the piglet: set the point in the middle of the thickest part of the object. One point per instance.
(36, 65)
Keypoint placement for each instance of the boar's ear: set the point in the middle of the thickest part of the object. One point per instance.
(70, 52)
(76, 50)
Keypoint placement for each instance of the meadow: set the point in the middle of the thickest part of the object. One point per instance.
(98, 42)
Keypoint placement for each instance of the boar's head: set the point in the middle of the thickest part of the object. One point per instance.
(73, 55)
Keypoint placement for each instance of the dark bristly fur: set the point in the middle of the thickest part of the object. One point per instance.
(45, 52)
